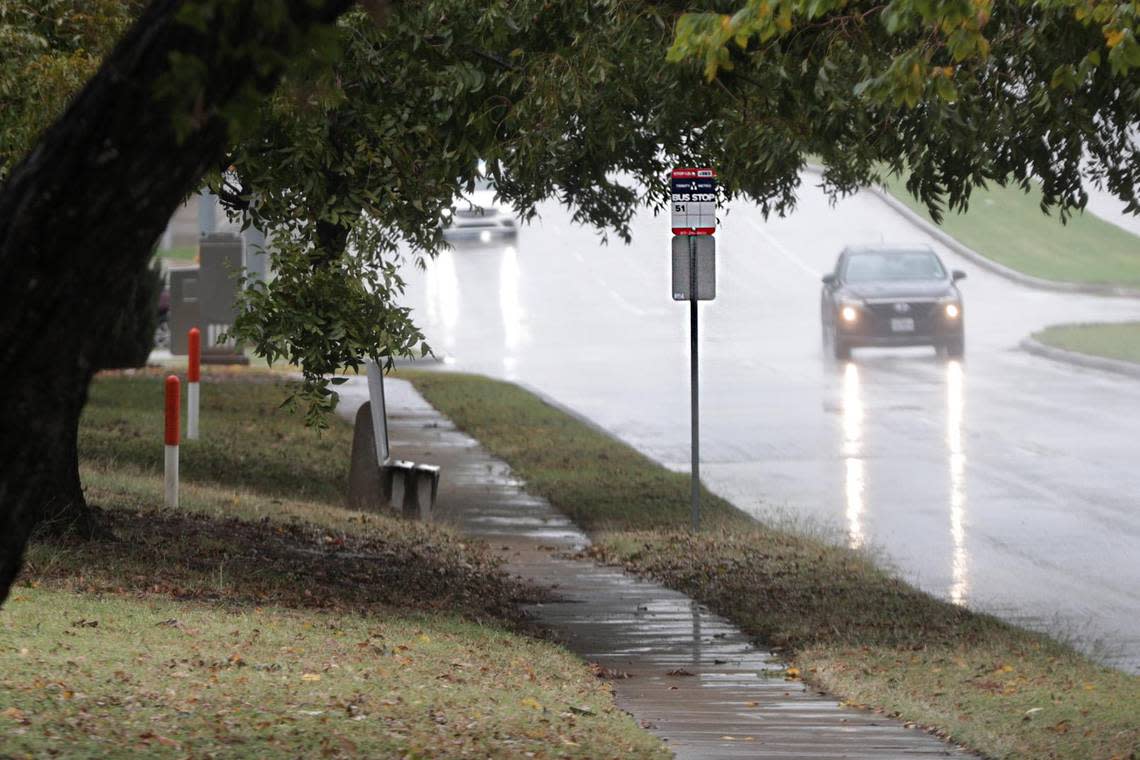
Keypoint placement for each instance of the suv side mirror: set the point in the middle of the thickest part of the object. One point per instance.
(828, 279)
(957, 274)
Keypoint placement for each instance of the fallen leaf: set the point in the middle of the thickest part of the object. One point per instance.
(792, 672)
(16, 714)
(601, 671)
(310, 676)
(531, 702)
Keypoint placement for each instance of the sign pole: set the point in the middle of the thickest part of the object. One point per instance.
(693, 194)
(695, 484)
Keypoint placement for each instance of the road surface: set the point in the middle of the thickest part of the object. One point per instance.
(1006, 482)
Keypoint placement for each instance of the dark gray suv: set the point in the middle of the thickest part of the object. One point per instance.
(885, 296)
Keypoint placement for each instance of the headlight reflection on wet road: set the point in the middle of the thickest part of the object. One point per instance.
(441, 295)
(510, 300)
(855, 481)
(955, 401)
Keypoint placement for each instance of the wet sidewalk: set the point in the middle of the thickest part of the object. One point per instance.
(689, 676)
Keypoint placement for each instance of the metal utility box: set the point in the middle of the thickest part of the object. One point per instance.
(205, 297)
(686, 248)
(221, 267)
(185, 287)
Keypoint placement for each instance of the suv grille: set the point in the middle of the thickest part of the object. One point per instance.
(919, 310)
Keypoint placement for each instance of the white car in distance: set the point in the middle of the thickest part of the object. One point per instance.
(476, 215)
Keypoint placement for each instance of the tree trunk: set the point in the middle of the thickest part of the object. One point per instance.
(79, 215)
(63, 508)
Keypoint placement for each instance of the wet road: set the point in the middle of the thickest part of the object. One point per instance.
(1005, 482)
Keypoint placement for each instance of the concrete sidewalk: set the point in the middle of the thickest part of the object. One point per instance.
(688, 676)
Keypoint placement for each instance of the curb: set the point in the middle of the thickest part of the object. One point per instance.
(965, 251)
(1116, 366)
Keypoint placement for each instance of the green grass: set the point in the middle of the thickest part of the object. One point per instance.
(597, 484)
(845, 624)
(180, 253)
(1113, 341)
(247, 441)
(1006, 225)
(263, 618)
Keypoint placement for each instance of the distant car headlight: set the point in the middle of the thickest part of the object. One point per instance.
(849, 313)
(952, 310)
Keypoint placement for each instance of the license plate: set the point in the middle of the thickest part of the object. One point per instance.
(902, 324)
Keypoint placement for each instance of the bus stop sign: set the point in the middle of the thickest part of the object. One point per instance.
(694, 201)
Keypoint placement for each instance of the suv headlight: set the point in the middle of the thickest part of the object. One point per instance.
(951, 307)
(849, 309)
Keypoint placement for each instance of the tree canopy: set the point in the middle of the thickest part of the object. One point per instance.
(48, 49)
(952, 93)
(592, 102)
(351, 168)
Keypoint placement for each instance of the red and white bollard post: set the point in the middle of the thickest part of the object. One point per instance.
(173, 404)
(193, 374)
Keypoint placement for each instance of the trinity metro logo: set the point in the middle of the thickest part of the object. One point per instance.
(694, 201)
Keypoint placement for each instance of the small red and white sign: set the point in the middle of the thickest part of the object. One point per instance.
(693, 201)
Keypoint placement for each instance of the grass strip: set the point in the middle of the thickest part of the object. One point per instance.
(1112, 341)
(845, 624)
(597, 483)
(1006, 224)
(179, 253)
(263, 618)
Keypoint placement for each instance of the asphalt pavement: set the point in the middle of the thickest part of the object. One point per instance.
(1006, 482)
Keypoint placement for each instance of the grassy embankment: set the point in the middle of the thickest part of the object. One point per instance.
(1006, 225)
(844, 624)
(1113, 341)
(264, 618)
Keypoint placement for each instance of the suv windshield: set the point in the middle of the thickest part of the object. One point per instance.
(902, 265)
